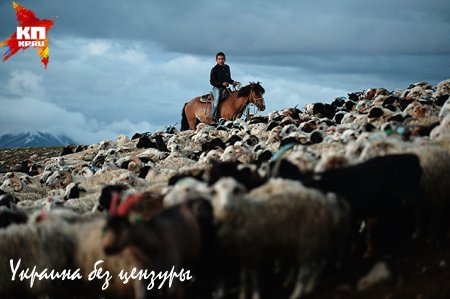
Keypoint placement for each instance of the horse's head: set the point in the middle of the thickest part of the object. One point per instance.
(256, 96)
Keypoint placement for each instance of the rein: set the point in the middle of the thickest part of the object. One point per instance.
(247, 102)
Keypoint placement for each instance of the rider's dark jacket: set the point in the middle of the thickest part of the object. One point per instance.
(220, 74)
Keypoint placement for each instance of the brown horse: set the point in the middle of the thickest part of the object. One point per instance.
(230, 107)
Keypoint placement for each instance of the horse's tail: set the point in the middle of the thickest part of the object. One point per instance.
(184, 122)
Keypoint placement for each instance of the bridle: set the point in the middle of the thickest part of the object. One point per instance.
(258, 101)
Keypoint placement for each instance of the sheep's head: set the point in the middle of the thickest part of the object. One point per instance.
(128, 178)
(186, 189)
(13, 184)
(117, 234)
(59, 179)
(225, 193)
(8, 200)
(83, 171)
(370, 93)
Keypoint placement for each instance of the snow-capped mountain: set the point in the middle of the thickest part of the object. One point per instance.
(33, 139)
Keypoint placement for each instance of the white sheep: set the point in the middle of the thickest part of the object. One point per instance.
(89, 250)
(186, 189)
(441, 132)
(445, 110)
(21, 189)
(443, 88)
(237, 153)
(280, 221)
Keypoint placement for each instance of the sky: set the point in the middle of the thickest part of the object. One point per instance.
(121, 67)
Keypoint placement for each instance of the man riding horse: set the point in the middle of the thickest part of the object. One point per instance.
(233, 104)
(220, 78)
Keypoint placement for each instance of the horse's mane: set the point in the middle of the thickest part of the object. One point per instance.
(245, 91)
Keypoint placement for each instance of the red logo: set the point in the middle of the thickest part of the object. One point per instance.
(32, 32)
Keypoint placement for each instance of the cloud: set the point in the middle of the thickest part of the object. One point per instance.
(327, 27)
(30, 114)
(24, 83)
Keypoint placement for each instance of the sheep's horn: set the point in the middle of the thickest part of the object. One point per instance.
(17, 183)
(132, 166)
(67, 178)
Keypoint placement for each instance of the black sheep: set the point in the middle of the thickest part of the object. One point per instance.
(250, 179)
(386, 187)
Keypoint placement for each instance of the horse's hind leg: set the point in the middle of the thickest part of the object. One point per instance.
(192, 121)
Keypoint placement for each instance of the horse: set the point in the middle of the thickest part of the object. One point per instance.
(230, 107)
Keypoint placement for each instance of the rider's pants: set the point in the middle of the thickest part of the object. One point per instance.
(216, 91)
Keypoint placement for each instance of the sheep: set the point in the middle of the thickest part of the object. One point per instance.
(89, 239)
(104, 200)
(422, 114)
(331, 160)
(73, 191)
(155, 141)
(11, 185)
(91, 186)
(39, 242)
(152, 154)
(281, 220)
(435, 162)
(82, 171)
(82, 248)
(246, 176)
(443, 88)
(417, 92)
(186, 189)
(183, 145)
(31, 168)
(22, 190)
(237, 153)
(122, 139)
(214, 154)
(372, 193)
(172, 238)
(101, 177)
(59, 178)
(442, 131)
(146, 203)
(445, 110)
(9, 216)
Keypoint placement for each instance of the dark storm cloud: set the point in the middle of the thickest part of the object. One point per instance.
(260, 27)
(319, 36)
(127, 66)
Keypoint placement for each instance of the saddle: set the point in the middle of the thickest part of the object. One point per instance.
(208, 98)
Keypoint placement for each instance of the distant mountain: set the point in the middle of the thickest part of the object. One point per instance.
(33, 139)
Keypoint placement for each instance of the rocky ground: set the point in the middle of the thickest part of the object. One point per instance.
(420, 272)
(11, 158)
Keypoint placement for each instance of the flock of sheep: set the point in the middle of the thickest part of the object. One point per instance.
(253, 208)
